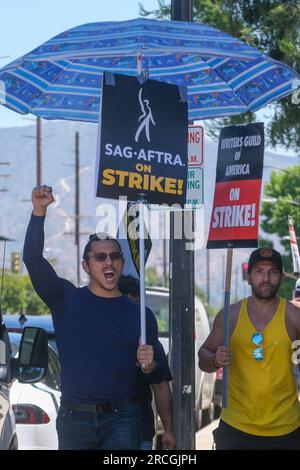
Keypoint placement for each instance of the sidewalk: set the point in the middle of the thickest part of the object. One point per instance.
(204, 437)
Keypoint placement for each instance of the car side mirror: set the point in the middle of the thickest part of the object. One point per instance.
(33, 355)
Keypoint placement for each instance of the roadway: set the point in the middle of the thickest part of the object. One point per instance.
(204, 437)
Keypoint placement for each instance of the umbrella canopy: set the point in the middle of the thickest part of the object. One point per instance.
(219, 75)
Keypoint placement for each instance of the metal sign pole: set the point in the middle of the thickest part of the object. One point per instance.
(142, 269)
(226, 324)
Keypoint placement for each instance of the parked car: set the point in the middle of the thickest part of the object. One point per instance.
(8, 436)
(35, 406)
(157, 298)
(30, 367)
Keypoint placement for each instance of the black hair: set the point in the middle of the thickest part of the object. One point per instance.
(129, 285)
(98, 237)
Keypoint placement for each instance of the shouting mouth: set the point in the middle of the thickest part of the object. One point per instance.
(109, 275)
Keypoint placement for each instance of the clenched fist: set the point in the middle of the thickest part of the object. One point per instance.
(222, 357)
(41, 197)
(145, 355)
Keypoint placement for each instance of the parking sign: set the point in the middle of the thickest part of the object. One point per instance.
(195, 182)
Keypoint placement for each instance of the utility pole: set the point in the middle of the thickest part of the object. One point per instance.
(182, 10)
(38, 151)
(76, 232)
(77, 206)
(182, 307)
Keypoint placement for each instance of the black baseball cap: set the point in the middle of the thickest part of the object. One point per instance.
(265, 254)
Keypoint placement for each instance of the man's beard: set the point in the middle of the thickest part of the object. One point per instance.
(258, 292)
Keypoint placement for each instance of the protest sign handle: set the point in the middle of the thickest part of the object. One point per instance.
(226, 324)
(142, 270)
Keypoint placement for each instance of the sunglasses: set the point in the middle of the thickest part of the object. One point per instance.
(101, 257)
(258, 353)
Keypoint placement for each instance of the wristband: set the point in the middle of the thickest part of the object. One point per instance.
(150, 370)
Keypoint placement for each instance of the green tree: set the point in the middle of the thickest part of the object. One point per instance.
(282, 198)
(19, 295)
(152, 278)
(211, 311)
(14, 298)
(271, 26)
(34, 305)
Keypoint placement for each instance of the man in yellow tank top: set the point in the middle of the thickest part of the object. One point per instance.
(263, 407)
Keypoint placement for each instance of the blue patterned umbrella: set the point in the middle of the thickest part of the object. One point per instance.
(218, 74)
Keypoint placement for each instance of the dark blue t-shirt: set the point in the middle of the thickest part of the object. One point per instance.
(97, 337)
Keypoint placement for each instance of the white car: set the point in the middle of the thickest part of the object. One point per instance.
(35, 406)
(8, 435)
(30, 368)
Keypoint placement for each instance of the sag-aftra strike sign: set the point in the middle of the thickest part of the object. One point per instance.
(143, 144)
(235, 215)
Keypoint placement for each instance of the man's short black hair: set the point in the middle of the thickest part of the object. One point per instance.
(129, 285)
(98, 237)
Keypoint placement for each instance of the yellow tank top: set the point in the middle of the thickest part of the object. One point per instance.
(262, 395)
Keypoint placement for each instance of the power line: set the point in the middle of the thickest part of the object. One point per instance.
(285, 171)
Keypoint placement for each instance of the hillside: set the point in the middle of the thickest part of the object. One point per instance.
(58, 142)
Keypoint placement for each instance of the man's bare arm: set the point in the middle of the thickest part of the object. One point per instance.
(212, 354)
(163, 402)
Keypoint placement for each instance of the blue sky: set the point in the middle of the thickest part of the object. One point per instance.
(26, 24)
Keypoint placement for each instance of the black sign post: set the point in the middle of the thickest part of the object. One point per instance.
(182, 309)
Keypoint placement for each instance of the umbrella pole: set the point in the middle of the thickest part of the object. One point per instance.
(226, 324)
(142, 269)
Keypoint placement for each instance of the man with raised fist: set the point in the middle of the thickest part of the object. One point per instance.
(97, 333)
